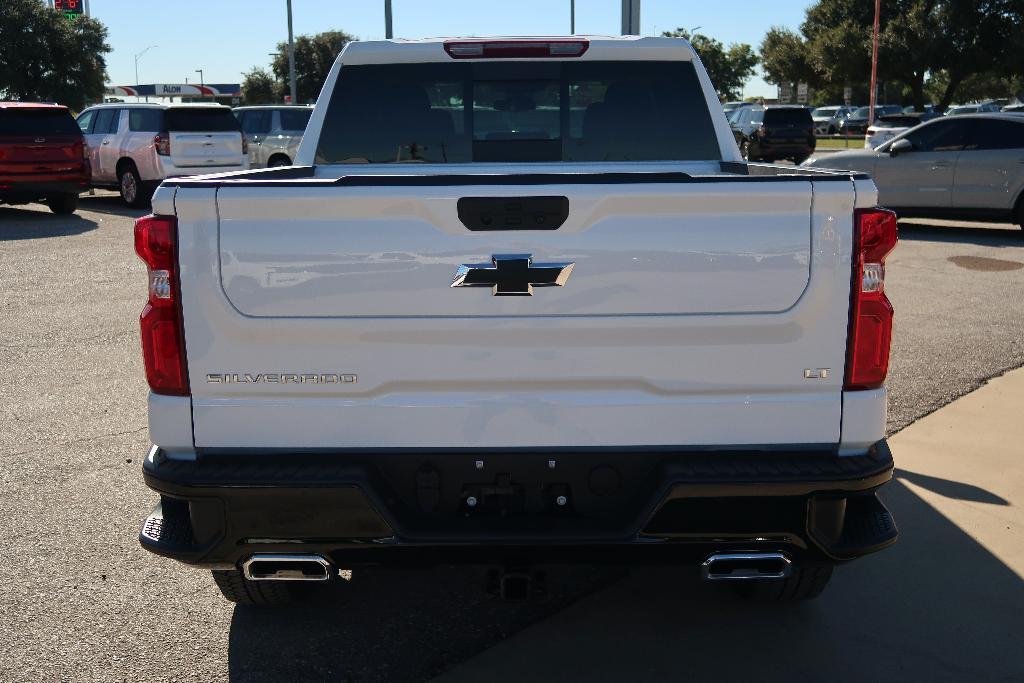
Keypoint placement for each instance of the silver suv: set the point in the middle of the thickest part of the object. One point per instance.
(273, 132)
(132, 147)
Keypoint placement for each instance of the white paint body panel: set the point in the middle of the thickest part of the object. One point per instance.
(694, 310)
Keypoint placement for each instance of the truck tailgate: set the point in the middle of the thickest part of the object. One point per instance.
(696, 314)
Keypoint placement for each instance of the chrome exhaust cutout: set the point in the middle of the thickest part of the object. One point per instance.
(287, 568)
(746, 566)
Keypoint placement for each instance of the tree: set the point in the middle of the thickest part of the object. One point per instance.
(259, 87)
(729, 68)
(44, 56)
(785, 58)
(314, 57)
(917, 38)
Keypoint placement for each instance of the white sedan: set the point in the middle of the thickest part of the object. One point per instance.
(889, 126)
(969, 166)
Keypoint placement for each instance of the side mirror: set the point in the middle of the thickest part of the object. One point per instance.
(901, 146)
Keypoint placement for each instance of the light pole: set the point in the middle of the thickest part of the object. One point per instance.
(202, 84)
(572, 17)
(874, 65)
(137, 57)
(630, 17)
(291, 56)
(389, 32)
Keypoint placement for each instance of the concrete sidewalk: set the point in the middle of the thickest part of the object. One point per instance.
(946, 603)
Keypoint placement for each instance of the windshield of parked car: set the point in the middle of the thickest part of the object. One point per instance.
(517, 112)
(825, 112)
(897, 121)
(200, 120)
(37, 121)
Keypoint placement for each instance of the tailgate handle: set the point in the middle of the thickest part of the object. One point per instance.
(513, 213)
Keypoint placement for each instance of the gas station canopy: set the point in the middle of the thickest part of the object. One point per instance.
(176, 90)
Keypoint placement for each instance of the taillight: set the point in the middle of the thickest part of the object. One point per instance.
(85, 151)
(162, 142)
(512, 49)
(870, 332)
(163, 338)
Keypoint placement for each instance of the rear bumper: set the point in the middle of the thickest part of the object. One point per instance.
(530, 508)
(15, 188)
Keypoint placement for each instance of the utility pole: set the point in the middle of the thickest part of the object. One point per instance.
(630, 17)
(572, 17)
(874, 64)
(389, 32)
(291, 56)
(202, 84)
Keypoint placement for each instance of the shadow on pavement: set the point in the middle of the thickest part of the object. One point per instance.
(391, 625)
(951, 489)
(109, 204)
(937, 606)
(919, 229)
(24, 224)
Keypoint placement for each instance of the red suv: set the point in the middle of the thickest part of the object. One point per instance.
(42, 156)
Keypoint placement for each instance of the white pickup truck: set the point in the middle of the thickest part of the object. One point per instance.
(519, 302)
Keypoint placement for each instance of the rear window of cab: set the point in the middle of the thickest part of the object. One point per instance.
(518, 111)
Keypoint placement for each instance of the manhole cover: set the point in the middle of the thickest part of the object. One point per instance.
(984, 263)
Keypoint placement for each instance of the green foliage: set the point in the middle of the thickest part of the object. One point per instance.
(46, 57)
(959, 38)
(259, 87)
(728, 67)
(314, 57)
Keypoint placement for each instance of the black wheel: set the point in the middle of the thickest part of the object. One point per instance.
(279, 160)
(831, 130)
(745, 150)
(1019, 213)
(804, 583)
(133, 193)
(240, 590)
(62, 204)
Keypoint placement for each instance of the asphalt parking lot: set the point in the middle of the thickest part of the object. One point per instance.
(80, 600)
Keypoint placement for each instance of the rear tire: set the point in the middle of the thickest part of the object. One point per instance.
(1018, 214)
(129, 184)
(62, 204)
(804, 583)
(279, 160)
(239, 590)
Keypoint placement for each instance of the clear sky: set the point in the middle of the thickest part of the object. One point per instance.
(226, 37)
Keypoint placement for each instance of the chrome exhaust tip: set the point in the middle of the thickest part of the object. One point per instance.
(746, 566)
(269, 567)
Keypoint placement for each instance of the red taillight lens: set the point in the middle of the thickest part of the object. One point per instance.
(514, 49)
(870, 332)
(163, 338)
(162, 142)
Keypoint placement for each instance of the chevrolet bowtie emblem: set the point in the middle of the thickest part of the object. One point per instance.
(512, 275)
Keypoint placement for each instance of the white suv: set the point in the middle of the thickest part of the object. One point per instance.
(135, 146)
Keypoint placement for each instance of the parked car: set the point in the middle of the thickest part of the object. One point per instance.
(889, 126)
(969, 166)
(827, 119)
(857, 122)
(43, 157)
(730, 107)
(911, 109)
(1013, 109)
(273, 132)
(960, 109)
(651, 405)
(135, 146)
(775, 132)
